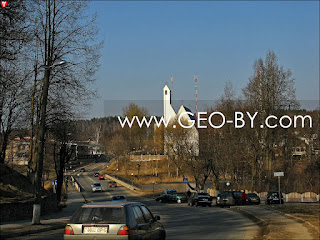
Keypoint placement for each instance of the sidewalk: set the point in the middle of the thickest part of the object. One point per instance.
(48, 222)
(275, 225)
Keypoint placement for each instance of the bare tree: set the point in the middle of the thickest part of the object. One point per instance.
(63, 31)
(269, 91)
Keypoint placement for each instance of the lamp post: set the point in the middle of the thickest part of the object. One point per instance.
(40, 143)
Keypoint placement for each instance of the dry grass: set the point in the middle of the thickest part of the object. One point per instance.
(13, 185)
(147, 172)
(307, 212)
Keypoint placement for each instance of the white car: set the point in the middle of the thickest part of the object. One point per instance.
(96, 187)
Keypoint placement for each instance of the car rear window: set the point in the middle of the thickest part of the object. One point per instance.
(226, 194)
(252, 195)
(97, 184)
(99, 215)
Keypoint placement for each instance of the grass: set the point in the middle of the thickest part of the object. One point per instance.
(307, 212)
(146, 172)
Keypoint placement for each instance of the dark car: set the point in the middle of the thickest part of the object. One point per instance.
(82, 170)
(273, 197)
(181, 197)
(197, 199)
(168, 196)
(118, 198)
(112, 184)
(96, 174)
(114, 220)
(237, 197)
(225, 199)
(253, 198)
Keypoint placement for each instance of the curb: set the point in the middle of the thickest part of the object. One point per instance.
(5, 235)
(312, 229)
(263, 225)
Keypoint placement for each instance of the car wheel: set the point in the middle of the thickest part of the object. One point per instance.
(196, 204)
(209, 205)
(160, 201)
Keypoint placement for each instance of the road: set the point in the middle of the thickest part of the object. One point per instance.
(180, 220)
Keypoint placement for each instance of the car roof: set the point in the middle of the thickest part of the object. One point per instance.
(96, 183)
(110, 204)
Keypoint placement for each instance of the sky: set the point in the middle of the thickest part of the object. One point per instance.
(147, 42)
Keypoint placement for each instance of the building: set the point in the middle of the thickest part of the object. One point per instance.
(186, 116)
(17, 152)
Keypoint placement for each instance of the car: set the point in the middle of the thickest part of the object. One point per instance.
(118, 198)
(114, 220)
(237, 197)
(253, 198)
(96, 187)
(112, 184)
(197, 199)
(168, 196)
(96, 175)
(101, 177)
(225, 199)
(273, 197)
(82, 169)
(181, 197)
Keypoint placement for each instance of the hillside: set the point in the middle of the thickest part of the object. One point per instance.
(13, 185)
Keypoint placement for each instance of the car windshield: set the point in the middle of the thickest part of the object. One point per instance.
(99, 215)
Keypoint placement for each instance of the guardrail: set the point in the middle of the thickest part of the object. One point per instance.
(76, 185)
(128, 181)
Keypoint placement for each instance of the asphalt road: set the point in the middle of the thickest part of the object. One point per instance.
(180, 220)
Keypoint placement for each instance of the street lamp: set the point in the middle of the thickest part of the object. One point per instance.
(40, 143)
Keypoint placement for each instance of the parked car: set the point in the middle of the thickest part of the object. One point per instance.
(96, 174)
(273, 197)
(181, 197)
(237, 197)
(118, 198)
(112, 184)
(253, 198)
(168, 196)
(101, 177)
(225, 198)
(197, 199)
(114, 220)
(82, 169)
(96, 187)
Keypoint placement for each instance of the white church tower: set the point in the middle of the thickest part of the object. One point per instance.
(168, 112)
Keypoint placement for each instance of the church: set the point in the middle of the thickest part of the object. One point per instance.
(170, 114)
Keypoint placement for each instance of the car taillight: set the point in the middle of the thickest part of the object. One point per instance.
(124, 230)
(269, 198)
(68, 230)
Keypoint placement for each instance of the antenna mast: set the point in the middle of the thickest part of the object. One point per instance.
(171, 87)
(196, 89)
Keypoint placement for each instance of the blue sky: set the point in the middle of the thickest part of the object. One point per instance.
(148, 41)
